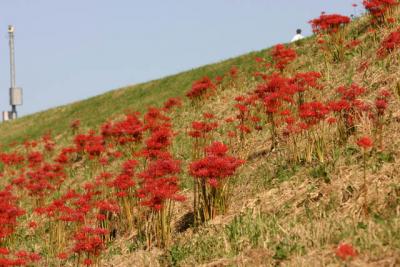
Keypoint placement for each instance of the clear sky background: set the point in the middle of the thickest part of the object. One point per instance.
(67, 50)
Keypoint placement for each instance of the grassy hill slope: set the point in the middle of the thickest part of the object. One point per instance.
(300, 195)
(98, 109)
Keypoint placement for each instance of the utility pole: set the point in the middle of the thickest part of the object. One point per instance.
(15, 92)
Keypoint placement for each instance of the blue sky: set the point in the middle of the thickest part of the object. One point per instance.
(67, 50)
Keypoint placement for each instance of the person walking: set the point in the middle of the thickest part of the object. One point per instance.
(298, 36)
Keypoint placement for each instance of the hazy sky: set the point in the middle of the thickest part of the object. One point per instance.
(68, 50)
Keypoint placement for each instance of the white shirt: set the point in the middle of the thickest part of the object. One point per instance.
(297, 37)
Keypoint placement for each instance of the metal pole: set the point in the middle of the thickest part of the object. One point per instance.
(12, 68)
(12, 60)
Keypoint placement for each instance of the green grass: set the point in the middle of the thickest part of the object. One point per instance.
(98, 109)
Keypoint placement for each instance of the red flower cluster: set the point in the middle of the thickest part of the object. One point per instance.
(124, 181)
(201, 129)
(365, 142)
(389, 44)
(201, 88)
(128, 130)
(89, 242)
(378, 8)
(157, 143)
(172, 102)
(350, 93)
(19, 258)
(91, 144)
(70, 207)
(64, 156)
(345, 251)
(159, 183)
(216, 166)
(43, 180)
(306, 80)
(329, 23)
(282, 56)
(9, 212)
(35, 158)
(313, 112)
(11, 159)
(381, 102)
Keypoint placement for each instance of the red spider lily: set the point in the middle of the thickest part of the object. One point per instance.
(211, 173)
(389, 44)
(64, 156)
(124, 181)
(258, 74)
(161, 167)
(156, 191)
(159, 139)
(259, 59)
(70, 207)
(87, 262)
(231, 134)
(348, 109)
(331, 120)
(282, 56)
(381, 102)
(329, 23)
(391, 20)
(313, 112)
(9, 212)
(233, 71)
(345, 251)
(4, 251)
(378, 8)
(32, 224)
(201, 88)
(107, 206)
(219, 80)
(306, 80)
(19, 258)
(154, 119)
(350, 93)
(44, 179)
(11, 159)
(208, 115)
(172, 102)
(35, 158)
(243, 116)
(48, 142)
(216, 164)
(365, 142)
(273, 93)
(276, 84)
(91, 144)
(103, 177)
(128, 130)
(229, 120)
(89, 241)
(201, 129)
(30, 144)
(62, 256)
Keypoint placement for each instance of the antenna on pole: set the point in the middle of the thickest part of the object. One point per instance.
(15, 92)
